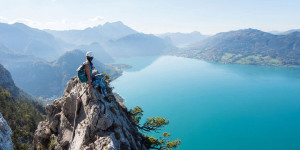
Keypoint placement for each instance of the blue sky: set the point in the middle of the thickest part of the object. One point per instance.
(155, 16)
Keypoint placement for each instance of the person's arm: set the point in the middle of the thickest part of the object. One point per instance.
(88, 73)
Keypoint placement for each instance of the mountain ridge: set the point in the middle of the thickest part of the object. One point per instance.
(47, 79)
(182, 40)
(31, 41)
(138, 44)
(248, 46)
(99, 52)
(100, 33)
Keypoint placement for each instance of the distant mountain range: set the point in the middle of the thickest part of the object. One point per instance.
(114, 40)
(31, 55)
(100, 34)
(138, 44)
(39, 62)
(284, 32)
(248, 46)
(290, 31)
(100, 53)
(47, 79)
(183, 39)
(19, 38)
(108, 41)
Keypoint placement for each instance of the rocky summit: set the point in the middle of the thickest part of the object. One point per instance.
(101, 123)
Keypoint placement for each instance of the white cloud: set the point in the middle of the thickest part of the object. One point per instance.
(97, 19)
(3, 19)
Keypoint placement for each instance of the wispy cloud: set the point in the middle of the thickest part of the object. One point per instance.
(97, 19)
(3, 19)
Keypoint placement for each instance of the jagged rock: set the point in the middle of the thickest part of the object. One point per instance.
(100, 123)
(118, 97)
(5, 135)
(7, 82)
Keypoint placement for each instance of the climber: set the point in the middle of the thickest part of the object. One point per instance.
(85, 75)
(89, 68)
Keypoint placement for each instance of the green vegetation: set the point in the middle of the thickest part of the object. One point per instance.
(52, 144)
(107, 77)
(22, 115)
(154, 124)
(230, 58)
(238, 58)
(258, 60)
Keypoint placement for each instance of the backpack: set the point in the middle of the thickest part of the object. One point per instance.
(81, 73)
(99, 82)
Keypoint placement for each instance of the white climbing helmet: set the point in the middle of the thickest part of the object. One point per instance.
(89, 54)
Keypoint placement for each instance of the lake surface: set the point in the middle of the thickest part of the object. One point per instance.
(217, 106)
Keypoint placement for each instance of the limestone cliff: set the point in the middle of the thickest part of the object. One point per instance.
(5, 135)
(101, 123)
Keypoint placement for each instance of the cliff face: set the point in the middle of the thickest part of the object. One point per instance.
(100, 123)
(7, 82)
(5, 135)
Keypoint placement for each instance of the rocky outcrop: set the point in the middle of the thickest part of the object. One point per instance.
(101, 123)
(7, 82)
(5, 135)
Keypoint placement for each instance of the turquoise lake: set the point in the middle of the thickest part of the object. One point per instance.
(217, 106)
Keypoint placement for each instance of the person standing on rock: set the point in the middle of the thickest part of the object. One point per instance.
(89, 67)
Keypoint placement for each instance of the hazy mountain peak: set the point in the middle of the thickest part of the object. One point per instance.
(21, 38)
(107, 25)
(183, 39)
(291, 31)
(196, 32)
(19, 24)
(100, 33)
(69, 55)
(250, 32)
(118, 23)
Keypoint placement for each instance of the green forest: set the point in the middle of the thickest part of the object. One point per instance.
(22, 115)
